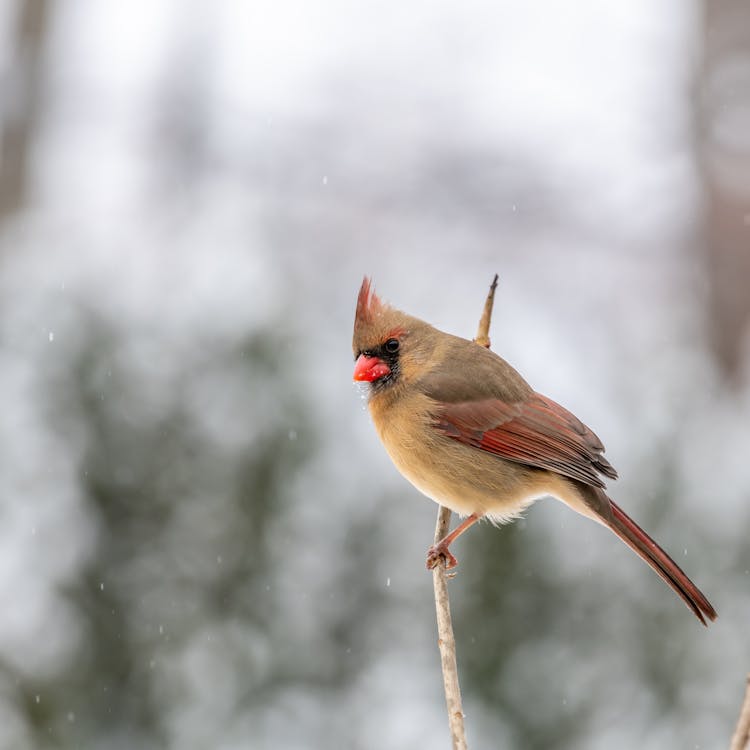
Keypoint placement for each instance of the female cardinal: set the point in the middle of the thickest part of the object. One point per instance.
(469, 432)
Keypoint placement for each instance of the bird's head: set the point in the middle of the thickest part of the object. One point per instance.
(389, 345)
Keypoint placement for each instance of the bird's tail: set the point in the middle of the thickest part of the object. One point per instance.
(641, 543)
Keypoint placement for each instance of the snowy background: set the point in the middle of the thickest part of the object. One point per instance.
(203, 544)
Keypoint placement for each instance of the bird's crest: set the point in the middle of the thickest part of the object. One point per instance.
(368, 303)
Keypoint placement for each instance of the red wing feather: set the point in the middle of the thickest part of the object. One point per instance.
(536, 432)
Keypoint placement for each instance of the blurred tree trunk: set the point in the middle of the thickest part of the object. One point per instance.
(20, 104)
(724, 156)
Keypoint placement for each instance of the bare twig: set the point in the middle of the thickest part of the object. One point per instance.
(446, 639)
(741, 736)
(483, 333)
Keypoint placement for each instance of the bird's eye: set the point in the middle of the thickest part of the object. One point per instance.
(391, 346)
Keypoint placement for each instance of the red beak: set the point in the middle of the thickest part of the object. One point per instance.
(369, 369)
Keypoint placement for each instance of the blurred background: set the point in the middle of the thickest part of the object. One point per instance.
(203, 544)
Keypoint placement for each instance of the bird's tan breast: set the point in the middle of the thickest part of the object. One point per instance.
(463, 478)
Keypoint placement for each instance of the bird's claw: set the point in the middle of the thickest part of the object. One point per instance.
(439, 552)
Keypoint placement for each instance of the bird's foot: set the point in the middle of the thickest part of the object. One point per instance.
(439, 552)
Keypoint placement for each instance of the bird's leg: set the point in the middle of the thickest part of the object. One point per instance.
(440, 549)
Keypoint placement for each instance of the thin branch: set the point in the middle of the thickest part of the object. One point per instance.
(741, 736)
(483, 332)
(446, 639)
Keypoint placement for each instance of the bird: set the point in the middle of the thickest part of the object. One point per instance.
(465, 428)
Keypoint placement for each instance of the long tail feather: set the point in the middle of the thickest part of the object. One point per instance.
(641, 543)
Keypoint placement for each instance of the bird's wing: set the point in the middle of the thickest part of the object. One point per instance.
(536, 432)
